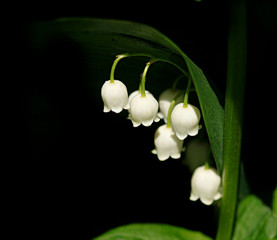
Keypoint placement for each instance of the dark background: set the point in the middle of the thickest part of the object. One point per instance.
(78, 172)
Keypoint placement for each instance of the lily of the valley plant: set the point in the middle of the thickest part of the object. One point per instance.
(181, 120)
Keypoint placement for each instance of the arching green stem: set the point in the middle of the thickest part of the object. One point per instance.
(187, 93)
(121, 56)
(118, 58)
(168, 124)
(143, 78)
(124, 55)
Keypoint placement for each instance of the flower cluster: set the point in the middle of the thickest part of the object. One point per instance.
(181, 119)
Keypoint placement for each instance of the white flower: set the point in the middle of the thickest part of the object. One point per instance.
(131, 96)
(115, 96)
(143, 110)
(185, 120)
(165, 100)
(205, 184)
(167, 144)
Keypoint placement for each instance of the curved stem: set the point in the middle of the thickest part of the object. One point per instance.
(143, 78)
(118, 58)
(121, 56)
(186, 98)
(152, 60)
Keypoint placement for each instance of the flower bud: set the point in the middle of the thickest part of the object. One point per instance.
(205, 184)
(165, 100)
(185, 120)
(115, 96)
(143, 109)
(167, 144)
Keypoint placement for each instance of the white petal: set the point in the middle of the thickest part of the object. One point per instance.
(160, 115)
(217, 196)
(181, 136)
(154, 151)
(193, 197)
(193, 132)
(206, 201)
(147, 123)
(127, 106)
(117, 109)
(175, 155)
(162, 156)
(135, 124)
(157, 119)
(106, 109)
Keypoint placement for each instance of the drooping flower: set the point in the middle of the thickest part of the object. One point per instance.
(115, 96)
(143, 109)
(167, 144)
(205, 184)
(165, 100)
(185, 120)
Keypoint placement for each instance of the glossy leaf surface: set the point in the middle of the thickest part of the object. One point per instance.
(100, 40)
(151, 231)
(255, 221)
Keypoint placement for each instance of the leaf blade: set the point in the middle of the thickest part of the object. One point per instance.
(255, 221)
(150, 231)
(102, 39)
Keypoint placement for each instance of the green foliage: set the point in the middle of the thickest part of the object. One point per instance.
(274, 201)
(150, 231)
(255, 221)
(233, 118)
(101, 40)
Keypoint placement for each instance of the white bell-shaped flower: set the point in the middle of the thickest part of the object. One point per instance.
(205, 184)
(131, 96)
(143, 109)
(167, 144)
(185, 120)
(165, 100)
(115, 96)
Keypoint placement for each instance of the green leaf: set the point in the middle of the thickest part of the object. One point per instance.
(255, 221)
(150, 231)
(212, 111)
(274, 201)
(100, 40)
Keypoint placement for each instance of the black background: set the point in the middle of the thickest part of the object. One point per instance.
(77, 172)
